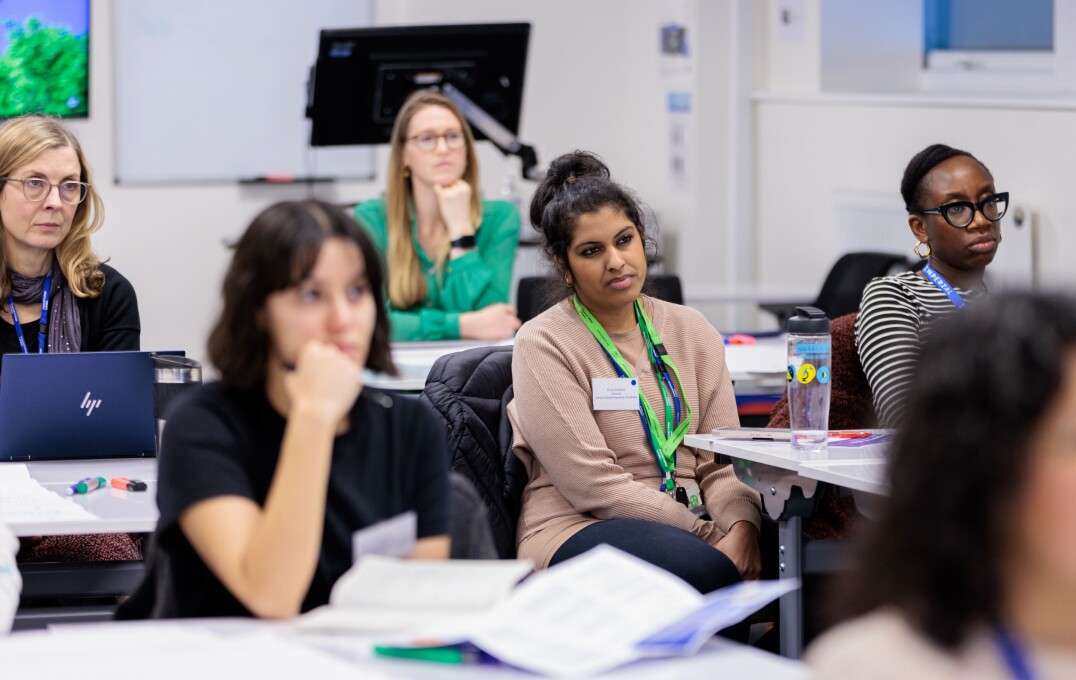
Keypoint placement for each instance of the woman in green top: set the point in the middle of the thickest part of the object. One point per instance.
(449, 255)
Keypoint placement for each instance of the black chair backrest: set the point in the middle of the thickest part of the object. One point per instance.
(533, 295)
(664, 287)
(470, 391)
(843, 288)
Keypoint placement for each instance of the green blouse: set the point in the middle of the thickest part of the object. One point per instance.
(468, 283)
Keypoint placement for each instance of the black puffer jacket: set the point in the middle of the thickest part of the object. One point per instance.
(470, 391)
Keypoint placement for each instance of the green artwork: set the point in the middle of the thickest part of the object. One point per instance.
(44, 70)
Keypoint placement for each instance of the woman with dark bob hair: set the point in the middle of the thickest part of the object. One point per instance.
(265, 475)
(971, 569)
(954, 212)
(607, 384)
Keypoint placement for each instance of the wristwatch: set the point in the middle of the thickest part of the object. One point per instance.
(463, 242)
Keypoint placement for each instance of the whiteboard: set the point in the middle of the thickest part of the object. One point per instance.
(215, 90)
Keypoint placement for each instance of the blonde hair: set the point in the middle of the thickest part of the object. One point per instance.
(22, 140)
(406, 280)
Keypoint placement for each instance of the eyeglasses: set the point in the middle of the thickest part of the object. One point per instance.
(36, 189)
(960, 214)
(427, 141)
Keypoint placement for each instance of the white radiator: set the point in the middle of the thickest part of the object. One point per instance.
(876, 221)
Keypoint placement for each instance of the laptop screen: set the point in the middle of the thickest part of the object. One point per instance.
(79, 405)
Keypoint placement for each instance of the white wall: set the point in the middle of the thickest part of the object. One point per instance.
(169, 240)
(593, 82)
(809, 144)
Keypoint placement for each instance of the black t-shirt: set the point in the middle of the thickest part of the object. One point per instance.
(226, 442)
(109, 321)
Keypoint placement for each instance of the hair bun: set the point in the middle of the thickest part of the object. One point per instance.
(569, 167)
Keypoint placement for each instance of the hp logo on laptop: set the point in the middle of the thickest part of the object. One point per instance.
(90, 404)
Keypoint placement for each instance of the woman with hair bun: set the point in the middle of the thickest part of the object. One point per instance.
(607, 384)
(954, 211)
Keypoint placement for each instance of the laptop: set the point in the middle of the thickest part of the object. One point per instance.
(79, 405)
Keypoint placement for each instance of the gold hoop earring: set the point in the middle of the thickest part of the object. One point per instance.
(406, 172)
(918, 245)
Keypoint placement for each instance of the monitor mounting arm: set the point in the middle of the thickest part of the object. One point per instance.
(502, 137)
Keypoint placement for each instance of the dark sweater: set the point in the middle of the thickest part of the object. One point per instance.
(109, 321)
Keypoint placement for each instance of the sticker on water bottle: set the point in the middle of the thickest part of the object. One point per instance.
(823, 375)
(806, 373)
(791, 372)
(812, 349)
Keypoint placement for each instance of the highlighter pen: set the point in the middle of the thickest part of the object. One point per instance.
(128, 484)
(86, 485)
(451, 654)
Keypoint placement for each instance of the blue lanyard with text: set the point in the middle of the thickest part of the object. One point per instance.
(43, 323)
(934, 277)
(1015, 657)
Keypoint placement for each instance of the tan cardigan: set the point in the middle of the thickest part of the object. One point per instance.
(584, 465)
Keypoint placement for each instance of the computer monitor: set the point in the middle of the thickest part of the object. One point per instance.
(363, 75)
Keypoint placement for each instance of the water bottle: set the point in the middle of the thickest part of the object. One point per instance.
(172, 376)
(809, 366)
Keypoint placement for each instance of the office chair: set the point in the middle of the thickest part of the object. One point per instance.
(535, 294)
(843, 288)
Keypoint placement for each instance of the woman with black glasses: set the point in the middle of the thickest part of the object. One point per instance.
(954, 211)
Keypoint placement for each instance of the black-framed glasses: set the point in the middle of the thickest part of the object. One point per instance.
(36, 189)
(427, 141)
(960, 214)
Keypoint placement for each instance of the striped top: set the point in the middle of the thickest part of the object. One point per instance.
(896, 314)
(583, 465)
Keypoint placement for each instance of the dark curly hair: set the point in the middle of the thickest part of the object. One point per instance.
(985, 379)
(278, 250)
(576, 184)
(911, 185)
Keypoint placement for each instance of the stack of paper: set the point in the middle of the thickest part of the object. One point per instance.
(604, 609)
(23, 501)
(383, 594)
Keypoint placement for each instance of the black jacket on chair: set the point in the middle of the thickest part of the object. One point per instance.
(470, 391)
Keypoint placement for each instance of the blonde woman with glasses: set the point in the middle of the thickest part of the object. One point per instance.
(449, 254)
(55, 294)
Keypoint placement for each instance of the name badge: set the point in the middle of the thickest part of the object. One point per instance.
(616, 394)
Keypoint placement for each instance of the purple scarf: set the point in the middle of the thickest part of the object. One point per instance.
(65, 325)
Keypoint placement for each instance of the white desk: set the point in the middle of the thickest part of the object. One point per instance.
(111, 511)
(415, 359)
(774, 469)
(168, 649)
(114, 511)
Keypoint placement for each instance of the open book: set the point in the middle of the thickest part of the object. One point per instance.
(598, 611)
(382, 594)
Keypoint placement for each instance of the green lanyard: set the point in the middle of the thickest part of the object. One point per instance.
(664, 443)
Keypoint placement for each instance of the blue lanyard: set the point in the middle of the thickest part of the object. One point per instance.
(43, 323)
(934, 277)
(1015, 657)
